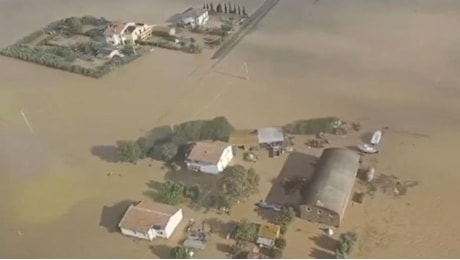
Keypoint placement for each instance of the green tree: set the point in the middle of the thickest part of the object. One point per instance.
(246, 231)
(74, 24)
(129, 151)
(166, 151)
(235, 184)
(180, 252)
(287, 215)
(280, 243)
(172, 193)
(347, 242)
(192, 192)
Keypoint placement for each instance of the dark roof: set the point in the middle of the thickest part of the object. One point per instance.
(333, 180)
(130, 29)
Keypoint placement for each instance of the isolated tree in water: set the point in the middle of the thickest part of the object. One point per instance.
(225, 8)
(130, 151)
(180, 252)
(239, 10)
(244, 12)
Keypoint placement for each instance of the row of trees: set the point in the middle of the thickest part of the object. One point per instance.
(173, 145)
(227, 8)
(312, 126)
(74, 25)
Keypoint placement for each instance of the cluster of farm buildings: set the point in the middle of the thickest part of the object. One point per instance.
(323, 201)
(129, 33)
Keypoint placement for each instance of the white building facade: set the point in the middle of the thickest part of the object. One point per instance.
(210, 157)
(195, 17)
(149, 223)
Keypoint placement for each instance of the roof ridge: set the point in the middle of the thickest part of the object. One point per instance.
(154, 211)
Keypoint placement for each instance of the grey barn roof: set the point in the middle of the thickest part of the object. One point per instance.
(333, 180)
(270, 135)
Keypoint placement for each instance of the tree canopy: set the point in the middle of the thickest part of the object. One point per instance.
(180, 252)
(235, 184)
(246, 231)
(173, 193)
(130, 151)
(347, 242)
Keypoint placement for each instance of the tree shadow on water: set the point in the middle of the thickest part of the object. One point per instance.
(108, 153)
(325, 242)
(111, 215)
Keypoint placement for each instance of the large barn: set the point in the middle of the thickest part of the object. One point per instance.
(325, 198)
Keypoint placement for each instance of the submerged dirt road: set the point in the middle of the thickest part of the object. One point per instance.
(362, 60)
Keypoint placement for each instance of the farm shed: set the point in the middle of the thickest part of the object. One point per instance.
(244, 139)
(270, 135)
(326, 197)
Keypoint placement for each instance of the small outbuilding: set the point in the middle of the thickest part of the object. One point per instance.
(270, 136)
(326, 196)
(244, 139)
(149, 220)
(268, 233)
(209, 156)
(194, 17)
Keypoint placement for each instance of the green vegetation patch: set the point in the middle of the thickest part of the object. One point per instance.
(38, 47)
(312, 126)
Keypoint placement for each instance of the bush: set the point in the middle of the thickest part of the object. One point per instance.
(276, 253)
(192, 192)
(347, 242)
(65, 52)
(31, 37)
(247, 231)
(356, 126)
(280, 243)
(172, 193)
(311, 126)
(165, 151)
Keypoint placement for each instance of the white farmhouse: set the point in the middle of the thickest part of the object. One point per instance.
(194, 17)
(126, 33)
(209, 156)
(149, 220)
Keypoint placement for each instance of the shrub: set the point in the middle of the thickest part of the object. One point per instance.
(280, 243)
(246, 231)
(192, 192)
(311, 126)
(276, 253)
(172, 193)
(356, 126)
(31, 37)
(347, 242)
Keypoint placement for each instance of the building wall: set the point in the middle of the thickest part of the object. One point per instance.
(132, 233)
(225, 159)
(320, 215)
(265, 242)
(202, 19)
(174, 221)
